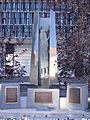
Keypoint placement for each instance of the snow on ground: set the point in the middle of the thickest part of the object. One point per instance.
(32, 114)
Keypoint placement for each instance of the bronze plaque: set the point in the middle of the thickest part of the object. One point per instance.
(74, 95)
(11, 95)
(43, 97)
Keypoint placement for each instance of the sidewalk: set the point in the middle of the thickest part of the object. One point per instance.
(41, 114)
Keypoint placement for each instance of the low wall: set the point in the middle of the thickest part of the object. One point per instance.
(43, 99)
(10, 97)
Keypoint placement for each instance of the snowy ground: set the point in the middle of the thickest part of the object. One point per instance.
(32, 114)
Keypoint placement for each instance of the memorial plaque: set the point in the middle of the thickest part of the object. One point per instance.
(43, 97)
(75, 95)
(11, 95)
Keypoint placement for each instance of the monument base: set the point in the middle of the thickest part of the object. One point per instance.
(77, 96)
(43, 99)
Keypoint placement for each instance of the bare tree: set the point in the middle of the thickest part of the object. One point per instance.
(74, 55)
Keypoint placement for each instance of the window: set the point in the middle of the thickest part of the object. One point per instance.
(11, 95)
(9, 14)
(13, 5)
(25, 30)
(13, 18)
(45, 6)
(30, 31)
(17, 17)
(29, 6)
(23, 6)
(18, 32)
(9, 6)
(12, 29)
(8, 27)
(26, 6)
(16, 5)
(32, 5)
(22, 31)
(5, 31)
(25, 18)
(3, 5)
(22, 18)
(44, 70)
(30, 18)
(38, 6)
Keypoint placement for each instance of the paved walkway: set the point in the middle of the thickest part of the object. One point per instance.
(32, 114)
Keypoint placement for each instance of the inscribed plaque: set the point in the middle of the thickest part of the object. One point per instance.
(74, 95)
(11, 95)
(43, 97)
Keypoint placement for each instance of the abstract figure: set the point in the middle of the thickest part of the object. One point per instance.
(44, 40)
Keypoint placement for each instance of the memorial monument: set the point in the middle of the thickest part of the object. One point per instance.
(43, 69)
(43, 72)
(43, 57)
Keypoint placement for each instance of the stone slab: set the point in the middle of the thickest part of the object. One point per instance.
(8, 100)
(77, 96)
(43, 98)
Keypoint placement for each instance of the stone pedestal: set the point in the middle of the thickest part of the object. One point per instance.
(43, 99)
(77, 96)
(9, 96)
